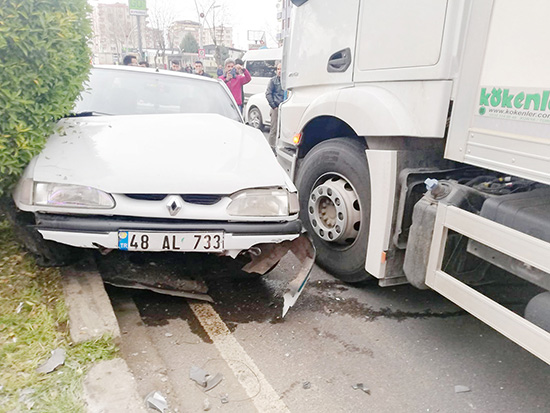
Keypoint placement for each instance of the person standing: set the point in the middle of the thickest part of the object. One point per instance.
(219, 72)
(235, 76)
(175, 66)
(199, 69)
(275, 96)
(130, 60)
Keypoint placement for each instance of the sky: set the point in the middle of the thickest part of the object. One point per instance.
(242, 15)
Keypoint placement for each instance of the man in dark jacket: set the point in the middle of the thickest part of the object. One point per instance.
(199, 69)
(275, 96)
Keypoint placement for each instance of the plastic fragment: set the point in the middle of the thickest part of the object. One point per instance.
(224, 397)
(198, 375)
(203, 379)
(361, 386)
(57, 359)
(462, 389)
(206, 405)
(306, 385)
(155, 400)
(213, 381)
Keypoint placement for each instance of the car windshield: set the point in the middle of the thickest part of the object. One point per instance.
(125, 92)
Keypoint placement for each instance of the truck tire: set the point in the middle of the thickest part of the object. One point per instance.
(334, 188)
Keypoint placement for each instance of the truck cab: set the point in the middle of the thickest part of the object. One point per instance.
(418, 134)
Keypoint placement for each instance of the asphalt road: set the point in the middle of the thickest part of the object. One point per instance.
(410, 348)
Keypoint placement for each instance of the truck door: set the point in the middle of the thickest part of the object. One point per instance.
(401, 34)
(322, 52)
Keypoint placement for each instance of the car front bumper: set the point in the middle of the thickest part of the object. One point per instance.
(102, 232)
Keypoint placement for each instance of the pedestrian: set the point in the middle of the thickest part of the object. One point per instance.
(130, 60)
(240, 62)
(199, 69)
(219, 72)
(143, 63)
(275, 96)
(188, 68)
(235, 76)
(175, 66)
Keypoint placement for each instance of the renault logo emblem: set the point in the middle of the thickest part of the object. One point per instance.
(174, 205)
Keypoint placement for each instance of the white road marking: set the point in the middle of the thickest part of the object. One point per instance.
(267, 399)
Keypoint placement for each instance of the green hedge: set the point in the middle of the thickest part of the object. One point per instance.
(44, 60)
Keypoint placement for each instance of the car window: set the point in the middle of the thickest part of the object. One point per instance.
(120, 92)
(262, 68)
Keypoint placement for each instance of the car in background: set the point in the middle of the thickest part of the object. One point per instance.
(257, 112)
(155, 161)
(262, 66)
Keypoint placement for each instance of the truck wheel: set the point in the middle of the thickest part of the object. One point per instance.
(255, 118)
(334, 188)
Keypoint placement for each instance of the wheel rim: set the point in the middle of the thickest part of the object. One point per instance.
(334, 210)
(254, 118)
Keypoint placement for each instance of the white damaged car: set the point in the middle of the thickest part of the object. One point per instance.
(159, 161)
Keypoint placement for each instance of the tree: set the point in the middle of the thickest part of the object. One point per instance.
(44, 61)
(162, 16)
(189, 44)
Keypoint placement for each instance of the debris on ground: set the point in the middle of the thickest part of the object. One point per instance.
(155, 400)
(361, 386)
(212, 382)
(224, 397)
(204, 379)
(57, 359)
(206, 405)
(306, 385)
(198, 375)
(462, 389)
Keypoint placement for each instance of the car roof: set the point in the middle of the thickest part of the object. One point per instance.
(155, 71)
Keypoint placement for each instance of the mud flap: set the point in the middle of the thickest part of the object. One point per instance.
(271, 254)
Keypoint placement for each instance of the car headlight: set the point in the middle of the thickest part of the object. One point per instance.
(263, 203)
(73, 196)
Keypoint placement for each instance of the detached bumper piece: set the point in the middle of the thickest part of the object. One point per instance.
(276, 254)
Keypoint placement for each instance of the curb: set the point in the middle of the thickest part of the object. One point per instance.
(109, 386)
(91, 314)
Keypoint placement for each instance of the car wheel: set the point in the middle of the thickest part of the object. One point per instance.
(334, 187)
(46, 253)
(255, 118)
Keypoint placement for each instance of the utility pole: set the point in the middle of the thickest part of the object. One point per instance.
(140, 44)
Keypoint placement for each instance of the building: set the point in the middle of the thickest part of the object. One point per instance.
(284, 8)
(115, 32)
(179, 29)
(224, 35)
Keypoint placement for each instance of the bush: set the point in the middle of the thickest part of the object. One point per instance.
(44, 60)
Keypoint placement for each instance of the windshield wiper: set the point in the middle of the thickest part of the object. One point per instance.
(87, 113)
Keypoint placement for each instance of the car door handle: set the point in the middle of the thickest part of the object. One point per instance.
(339, 61)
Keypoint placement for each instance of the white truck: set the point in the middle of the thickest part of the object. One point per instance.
(418, 133)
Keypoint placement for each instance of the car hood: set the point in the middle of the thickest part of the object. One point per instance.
(180, 153)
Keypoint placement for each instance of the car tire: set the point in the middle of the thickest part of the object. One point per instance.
(334, 186)
(255, 118)
(46, 253)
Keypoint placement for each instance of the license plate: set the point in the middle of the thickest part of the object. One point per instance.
(170, 241)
